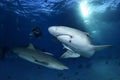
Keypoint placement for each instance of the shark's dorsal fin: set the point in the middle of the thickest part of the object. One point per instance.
(30, 46)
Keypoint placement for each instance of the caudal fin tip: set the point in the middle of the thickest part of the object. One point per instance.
(102, 47)
(109, 45)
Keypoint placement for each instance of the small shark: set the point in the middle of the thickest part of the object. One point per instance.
(76, 42)
(36, 56)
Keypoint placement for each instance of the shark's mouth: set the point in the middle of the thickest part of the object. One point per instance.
(64, 35)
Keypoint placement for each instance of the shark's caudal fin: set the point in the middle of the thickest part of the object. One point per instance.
(100, 47)
(48, 53)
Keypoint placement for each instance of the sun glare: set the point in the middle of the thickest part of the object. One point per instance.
(85, 10)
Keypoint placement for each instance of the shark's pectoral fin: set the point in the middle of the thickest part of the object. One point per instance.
(48, 53)
(70, 54)
(66, 47)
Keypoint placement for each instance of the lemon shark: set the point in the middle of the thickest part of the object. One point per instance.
(36, 56)
(77, 43)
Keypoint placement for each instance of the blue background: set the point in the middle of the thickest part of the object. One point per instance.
(17, 18)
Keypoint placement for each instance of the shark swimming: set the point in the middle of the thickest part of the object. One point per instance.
(33, 55)
(77, 43)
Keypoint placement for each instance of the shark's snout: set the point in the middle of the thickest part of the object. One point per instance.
(52, 29)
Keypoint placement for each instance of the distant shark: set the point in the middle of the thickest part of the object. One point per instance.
(36, 56)
(76, 42)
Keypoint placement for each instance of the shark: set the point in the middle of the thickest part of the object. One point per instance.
(77, 42)
(36, 56)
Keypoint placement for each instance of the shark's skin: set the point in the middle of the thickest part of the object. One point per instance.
(76, 42)
(35, 56)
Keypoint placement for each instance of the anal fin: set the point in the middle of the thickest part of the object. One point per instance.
(70, 54)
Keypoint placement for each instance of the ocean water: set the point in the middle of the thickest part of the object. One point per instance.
(100, 19)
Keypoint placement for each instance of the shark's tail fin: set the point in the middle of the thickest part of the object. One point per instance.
(100, 47)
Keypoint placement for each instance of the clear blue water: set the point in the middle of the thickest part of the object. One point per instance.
(101, 19)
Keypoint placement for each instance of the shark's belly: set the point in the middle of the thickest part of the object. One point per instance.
(79, 43)
(81, 46)
(85, 51)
